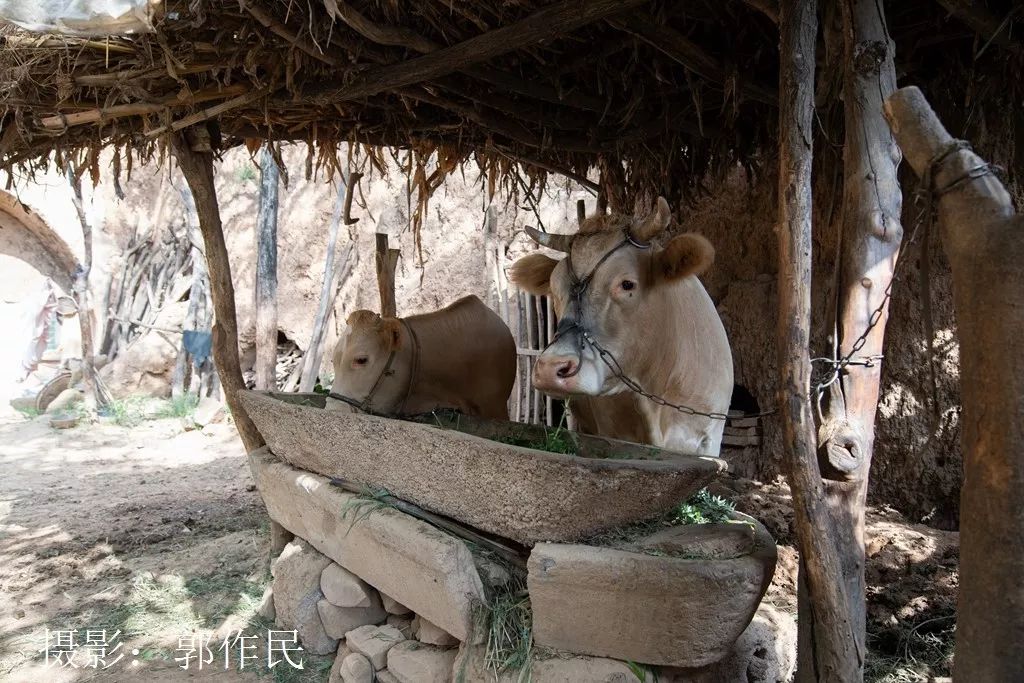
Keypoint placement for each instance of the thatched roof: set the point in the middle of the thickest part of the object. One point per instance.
(666, 91)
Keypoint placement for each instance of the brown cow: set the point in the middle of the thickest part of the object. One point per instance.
(462, 356)
(628, 309)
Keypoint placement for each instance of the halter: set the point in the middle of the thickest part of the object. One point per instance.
(572, 321)
(366, 404)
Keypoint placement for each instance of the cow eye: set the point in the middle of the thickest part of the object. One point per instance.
(627, 285)
(362, 360)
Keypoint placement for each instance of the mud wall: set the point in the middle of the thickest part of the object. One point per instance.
(917, 461)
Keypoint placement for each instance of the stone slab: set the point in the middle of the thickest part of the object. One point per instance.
(412, 662)
(519, 493)
(643, 608)
(407, 559)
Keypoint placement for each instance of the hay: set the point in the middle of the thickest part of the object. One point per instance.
(656, 96)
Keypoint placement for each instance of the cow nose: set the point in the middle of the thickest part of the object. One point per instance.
(555, 374)
(566, 368)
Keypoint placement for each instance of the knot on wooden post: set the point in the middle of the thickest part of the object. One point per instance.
(868, 57)
(842, 450)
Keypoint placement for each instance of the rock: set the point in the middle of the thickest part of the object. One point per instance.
(209, 411)
(373, 642)
(338, 621)
(708, 541)
(385, 676)
(297, 591)
(23, 402)
(356, 668)
(469, 666)
(429, 633)
(402, 623)
(63, 421)
(764, 653)
(344, 589)
(64, 400)
(492, 573)
(413, 662)
(407, 559)
(393, 606)
(335, 675)
(266, 609)
(144, 367)
(669, 611)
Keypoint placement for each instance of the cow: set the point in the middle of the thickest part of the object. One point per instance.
(462, 357)
(632, 318)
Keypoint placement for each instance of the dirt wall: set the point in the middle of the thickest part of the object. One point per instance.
(917, 460)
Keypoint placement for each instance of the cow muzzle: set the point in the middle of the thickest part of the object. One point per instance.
(556, 374)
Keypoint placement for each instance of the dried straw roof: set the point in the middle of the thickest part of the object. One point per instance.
(655, 93)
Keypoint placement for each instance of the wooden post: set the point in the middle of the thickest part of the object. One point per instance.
(581, 211)
(387, 261)
(314, 352)
(984, 242)
(870, 238)
(93, 396)
(266, 273)
(197, 167)
(198, 315)
(828, 650)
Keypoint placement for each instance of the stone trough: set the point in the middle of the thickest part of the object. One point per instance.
(401, 600)
(454, 467)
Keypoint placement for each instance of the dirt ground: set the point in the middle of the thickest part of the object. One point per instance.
(157, 532)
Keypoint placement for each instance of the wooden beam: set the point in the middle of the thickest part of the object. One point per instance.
(402, 37)
(977, 16)
(386, 262)
(545, 24)
(301, 42)
(684, 51)
(827, 651)
(197, 167)
(981, 236)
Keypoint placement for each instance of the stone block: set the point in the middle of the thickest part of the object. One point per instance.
(393, 606)
(404, 558)
(266, 608)
(653, 609)
(427, 632)
(338, 621)
(469, 667)
(373, 642)
(64, 400)
(705, 541)
(296, 594)
(385, 676)
(344, 589)
(356, 668)
(412, 662)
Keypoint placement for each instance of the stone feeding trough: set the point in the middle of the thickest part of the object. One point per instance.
(607, 581)
(452, 465)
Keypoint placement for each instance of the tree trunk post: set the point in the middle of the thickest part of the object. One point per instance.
(824, 619)
(386, 262)
(197, 167)
(93, 396)
(870, 238)
(984, 242)
(314, 352)
(266, 273)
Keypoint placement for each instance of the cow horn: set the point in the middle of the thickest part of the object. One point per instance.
(650, 227)
(550, 240)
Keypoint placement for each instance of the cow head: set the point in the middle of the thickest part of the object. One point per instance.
(361, 357)
(626, 284)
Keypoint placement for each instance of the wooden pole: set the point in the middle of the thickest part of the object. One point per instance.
(983, 241)
(266, 273)
(93, 396)
(870, 241)
(386, 261)
(197, 316)
(197, 167)
(828, 651)
(314, 352)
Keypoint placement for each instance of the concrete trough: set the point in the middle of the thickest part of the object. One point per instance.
(454, 467)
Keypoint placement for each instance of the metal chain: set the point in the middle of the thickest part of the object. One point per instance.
(613, 364)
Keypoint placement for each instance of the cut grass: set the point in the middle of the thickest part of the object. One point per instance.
(134, 410)
(701, 508)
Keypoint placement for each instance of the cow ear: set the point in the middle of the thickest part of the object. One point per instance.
(390, 331)
(687, 254)
(361, 318)
(533, 273)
